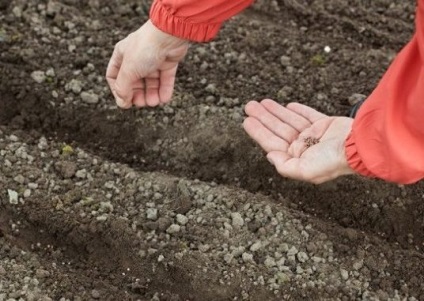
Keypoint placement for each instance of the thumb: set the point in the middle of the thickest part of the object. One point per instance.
(124, 85)
(285, 165)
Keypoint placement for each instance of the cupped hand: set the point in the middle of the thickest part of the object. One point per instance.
(143, 67)
(300, 142)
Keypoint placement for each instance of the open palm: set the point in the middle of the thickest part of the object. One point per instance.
(300, 142)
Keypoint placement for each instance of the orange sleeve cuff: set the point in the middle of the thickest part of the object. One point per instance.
(353, 158)
(179, 27)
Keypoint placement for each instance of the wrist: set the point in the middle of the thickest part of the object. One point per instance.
(162, 39)
(345, 168)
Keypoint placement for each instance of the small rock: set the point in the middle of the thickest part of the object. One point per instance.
(75, 86)
(27, 193)
(228, 258)
(19, 179)
(182, 219)
(38, 76)
(344, 274)
(237, 220)
(256, 246)
(66, 169)
(89, 97)
(50, 72)
(32, 186)
(13, 197)
(270, 262)
(174, 228)
(95, 294)
(17, 11)
(164, 223)
(358, 265)
(285, 61)
(293, 251)
(204, 248)
(247, 258)
(82, 174)
(302, 257)
(41, 274)
(152, 214)
(238, 251)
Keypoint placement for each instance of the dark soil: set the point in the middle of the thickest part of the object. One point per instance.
(180, 154)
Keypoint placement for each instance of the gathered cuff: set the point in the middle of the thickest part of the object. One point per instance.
(179, 27)
(353, 158)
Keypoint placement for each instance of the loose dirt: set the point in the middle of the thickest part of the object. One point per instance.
(177, 203)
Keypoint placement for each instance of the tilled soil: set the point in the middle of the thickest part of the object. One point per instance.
(176, 203)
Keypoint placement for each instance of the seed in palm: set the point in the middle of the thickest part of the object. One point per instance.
(310, 141)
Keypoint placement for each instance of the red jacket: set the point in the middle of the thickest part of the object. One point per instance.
(387, 139)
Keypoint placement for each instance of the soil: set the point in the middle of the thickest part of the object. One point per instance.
(177, 203)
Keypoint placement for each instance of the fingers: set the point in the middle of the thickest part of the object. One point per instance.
(285, 164)
(167, 82)
(287, 116)
(263, 136)
(139, 99)
(112, 71)
(125, 84)
(272, 123)
(152, 90)
(306, 112)
(120, 77)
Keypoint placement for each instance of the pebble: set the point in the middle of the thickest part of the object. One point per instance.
(32, 186)
(256, 246)
(358, 265)
(164, 223)
(13, 197)
(66, 169)
(41, 274)
(228, 258)
(82, 174)
(95, 294)
(302, 257)
(293, 251)
(89, 97)
(285, 61)
(270, 262)
(17, 12)
(247, 258)
(174, 228)
(75, 86)
(152, 214)
(237, 220)
(182, 219)
(50, 72)
(27, 193)
(344, 274)
(19, 179)
(38, 76)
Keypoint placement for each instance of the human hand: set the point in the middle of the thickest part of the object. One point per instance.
(143, 66)
(300, 142)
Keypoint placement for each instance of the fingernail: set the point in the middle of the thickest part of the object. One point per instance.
(120, 102)
(270, 160)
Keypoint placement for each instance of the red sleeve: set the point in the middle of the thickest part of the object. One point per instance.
(387, 138)
(195, 20)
